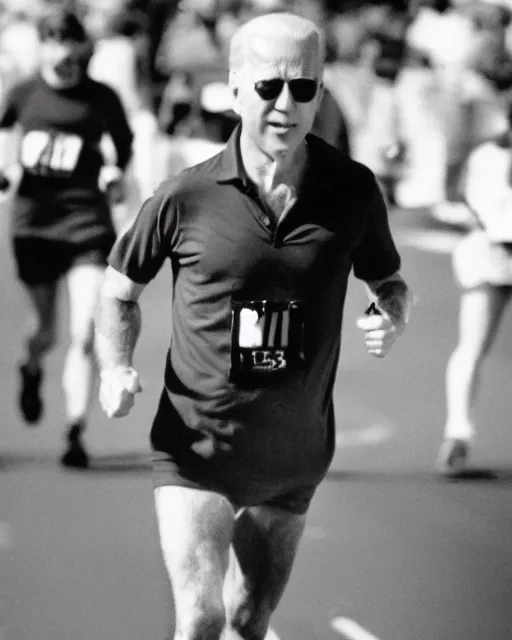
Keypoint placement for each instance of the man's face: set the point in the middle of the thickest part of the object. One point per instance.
(64, 62)
(278, 125)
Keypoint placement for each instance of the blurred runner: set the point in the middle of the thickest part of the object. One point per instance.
(61, 223)
(483, 269)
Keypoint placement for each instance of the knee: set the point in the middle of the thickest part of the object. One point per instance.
(204, 623)
(43, 337)
(83, 341)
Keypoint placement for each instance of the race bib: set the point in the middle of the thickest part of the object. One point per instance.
(50, 153)
(267, 338)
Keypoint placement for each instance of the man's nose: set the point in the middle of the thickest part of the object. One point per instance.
(284, 100)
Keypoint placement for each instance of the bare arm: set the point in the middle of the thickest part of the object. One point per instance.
(393, 297)
(118, 321)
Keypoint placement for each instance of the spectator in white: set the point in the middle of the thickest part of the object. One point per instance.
(19, 37)
(118, 62)
(483, 269)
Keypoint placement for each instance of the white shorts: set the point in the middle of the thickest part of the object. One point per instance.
(477, 260)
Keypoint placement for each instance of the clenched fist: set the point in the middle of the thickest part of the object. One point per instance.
(380, 333)
(118, 387)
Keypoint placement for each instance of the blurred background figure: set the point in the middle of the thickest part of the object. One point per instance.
(18, 34)
(121, 59)
(19, 60)
(439, 41)
(480, 109)
(383, 51)
(193, 55)
(466, 46)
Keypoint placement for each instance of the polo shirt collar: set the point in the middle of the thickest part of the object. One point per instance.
(231, 167)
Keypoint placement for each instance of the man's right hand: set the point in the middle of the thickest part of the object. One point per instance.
(118, 387)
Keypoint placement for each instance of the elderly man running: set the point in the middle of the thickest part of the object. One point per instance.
(261, 239)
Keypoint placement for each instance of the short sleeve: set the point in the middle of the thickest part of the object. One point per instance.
(142, 248)
(376, 256)
(9, 109)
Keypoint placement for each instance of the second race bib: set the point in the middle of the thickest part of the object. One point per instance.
(50, 153)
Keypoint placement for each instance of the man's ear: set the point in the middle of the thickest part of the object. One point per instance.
(233, 85)
(320, 95)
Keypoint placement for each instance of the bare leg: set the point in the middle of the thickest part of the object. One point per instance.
(480, 314)
(84, 283)
(195, 529)
(41, 337)
(264, 547)
(42, 324)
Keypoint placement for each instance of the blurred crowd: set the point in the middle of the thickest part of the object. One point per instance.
(411, 87)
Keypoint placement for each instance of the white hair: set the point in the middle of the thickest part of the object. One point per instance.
(281, 25)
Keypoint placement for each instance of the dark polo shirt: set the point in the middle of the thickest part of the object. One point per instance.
(257, 314)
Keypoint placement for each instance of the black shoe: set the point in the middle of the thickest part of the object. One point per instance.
(75, 455)
(30, 402)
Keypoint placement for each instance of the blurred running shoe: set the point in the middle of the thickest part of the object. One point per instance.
(452, 457)
(75, 455)
(30, 402)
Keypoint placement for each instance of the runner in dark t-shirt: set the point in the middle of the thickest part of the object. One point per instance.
(261, 239)
(60, 216)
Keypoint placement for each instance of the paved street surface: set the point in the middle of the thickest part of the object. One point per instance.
(391, 552)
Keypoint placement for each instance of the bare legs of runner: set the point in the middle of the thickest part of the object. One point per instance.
(40, 338)
(481, 310)
(84, 282)
(227, 570)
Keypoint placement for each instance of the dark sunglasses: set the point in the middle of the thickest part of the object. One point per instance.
(302, 89)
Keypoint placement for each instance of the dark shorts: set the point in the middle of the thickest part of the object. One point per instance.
(182, 469)
(167, 472)
(42, 261)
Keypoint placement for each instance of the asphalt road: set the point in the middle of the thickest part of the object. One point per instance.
(391, 552)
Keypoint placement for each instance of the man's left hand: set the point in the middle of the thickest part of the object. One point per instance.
(380, 333)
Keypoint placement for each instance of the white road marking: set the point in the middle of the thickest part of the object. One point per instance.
(351, 630)
(271, 635)
(374, 434)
